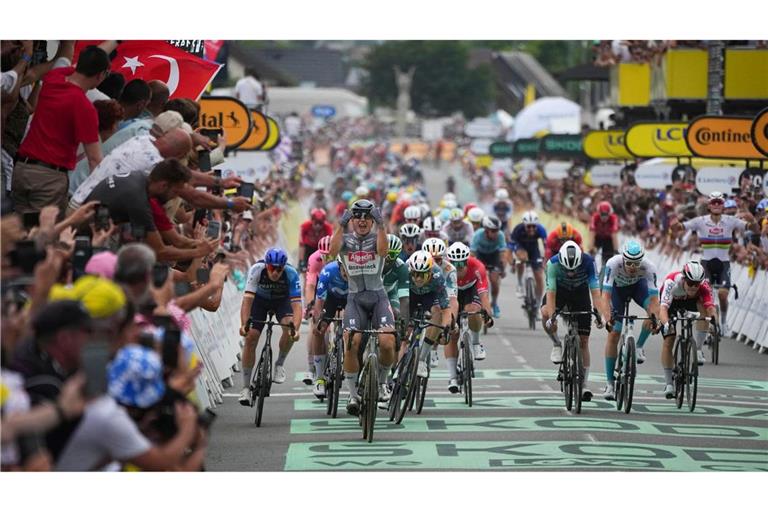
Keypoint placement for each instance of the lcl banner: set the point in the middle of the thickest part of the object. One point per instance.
(759, 132)
(650, 140)
(606, 145)
(722, 137)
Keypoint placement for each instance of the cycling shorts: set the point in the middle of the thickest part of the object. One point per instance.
(469, 296)
(717, 271)
(605, 246)
(637, 292)
(491, 260)
(422, 302)
(575, 300)
(332, 304)
(368, 308)
(260, 307)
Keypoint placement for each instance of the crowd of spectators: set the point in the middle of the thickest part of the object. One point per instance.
(611, 52)
(114, 229)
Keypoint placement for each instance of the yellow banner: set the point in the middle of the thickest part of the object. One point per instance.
(722, 137)
(649, 140)
(759, 131)
(259, 133)
(606, 145)
(228, 114)
(274, 135)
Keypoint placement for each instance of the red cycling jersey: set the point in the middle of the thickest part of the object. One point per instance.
(475, 274)
(604, 229)
(554, 243)
(310, 235)
(673, 289)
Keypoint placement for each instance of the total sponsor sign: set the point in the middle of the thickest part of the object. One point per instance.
(717, 179)
(606, 145)
(650, 140)
(654, 176)
(722, 137)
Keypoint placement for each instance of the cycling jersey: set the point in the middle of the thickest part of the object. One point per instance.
(482, 244)
(363, 265)
(331, 282)
(310, 235)
(449, 271)
(474, 276)
(503, 210)
(673, 290)
(435, 287)
(554, 243)
(314, 267)
(396, 281)
(286, 287)
(604, 229)
(715, 237)
(616, 274)
(463, 234)
(521, 239)
(559, 277)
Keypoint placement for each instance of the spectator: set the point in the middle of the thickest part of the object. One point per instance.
(135, 97)
(250, 90)
(64, 119)
(188, 110)
(159, 98)
(133, 271)
(112, 86)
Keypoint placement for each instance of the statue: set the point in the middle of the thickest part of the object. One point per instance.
(403, 81)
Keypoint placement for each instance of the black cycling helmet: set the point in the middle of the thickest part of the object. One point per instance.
(362, 207)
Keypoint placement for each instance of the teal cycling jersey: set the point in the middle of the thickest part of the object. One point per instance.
(482, 244)
(560, 278)
(397, 281)
(435, 286)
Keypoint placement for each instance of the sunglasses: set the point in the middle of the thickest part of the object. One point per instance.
(361, 215)
(716, 203)
(459, 264)
(633, 264)
(274, 268)
(491, 231)
(420, 275)
(692, 284)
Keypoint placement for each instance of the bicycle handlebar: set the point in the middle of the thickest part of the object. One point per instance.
(722, 286)
(569, 314)
(249, 324)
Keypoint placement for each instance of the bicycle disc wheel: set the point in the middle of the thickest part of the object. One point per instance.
(618, 375)
(530, 304)
(265, 370)
(372, 396)
(577, 374)
(630, 370)
(681, 365)
(567, 378)
(692, 382)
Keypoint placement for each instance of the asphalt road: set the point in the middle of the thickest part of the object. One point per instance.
(518, 421)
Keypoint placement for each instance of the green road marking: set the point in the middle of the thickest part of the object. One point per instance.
(539, 402)
(413, 425)
(525, 456)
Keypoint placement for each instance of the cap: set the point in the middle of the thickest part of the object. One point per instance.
(102, 264)
(62, 314)
(169, 120)
(135, 377)
(101, 297)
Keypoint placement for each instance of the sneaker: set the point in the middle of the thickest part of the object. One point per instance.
(725, 329)
(308, 378)
(422, 371)
(640, 355)
(586, 395)
(609, 393)
(245, 397)
(556, 356)
(669, 391)
(319, 390)
(519, 292)
(700, 356)
(479, 351)
(453, 386)
(434, 359)
(384, 393)
(279, 376)
(353, 406)
(496, 311)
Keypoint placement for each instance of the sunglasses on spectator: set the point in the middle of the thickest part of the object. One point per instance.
(275, 268)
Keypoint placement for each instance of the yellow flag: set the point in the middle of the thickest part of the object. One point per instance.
(530, 94)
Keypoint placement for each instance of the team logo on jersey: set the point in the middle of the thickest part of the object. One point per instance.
(361, 257)
(716, 230)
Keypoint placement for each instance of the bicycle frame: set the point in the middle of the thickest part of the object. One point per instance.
(465, 365)
(571, 370)
(368, 383)
(686, 369)
(625, 367)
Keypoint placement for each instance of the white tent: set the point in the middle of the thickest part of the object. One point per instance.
(550, 114)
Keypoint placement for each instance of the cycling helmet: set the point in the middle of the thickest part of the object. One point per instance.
(456, 214)
(391, 197)
(276, 256)
(491, 222)
(394, 246)
(716, 197)
(449, 196)
(693, 271)
(409, 230)
(530, 217)
(420, 261)
(318, 214)
(468, 207)
(319, 187)
(361, 191)
(412, 213)
(570, 255)
(604, 208)
(450, 203)
(502, 194)
(445, 215)
(458, 252)
(434, 246)
(476, 214)
(633, 251)
(432, 224)
(424, 207)
(347, 196)
(564, 230)
(362, 206)
(324, 245)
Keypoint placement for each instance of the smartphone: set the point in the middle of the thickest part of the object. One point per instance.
(214, 229)
(94, 358)
(26, 256)
(31, 220)
(198, 217)
(81, 255)
(203, 275)
(102, 218)
(204, 160)
(159, 274)
(212, 133)
(138, 233)
(171, 342)
(246, 190)
(181, 288)
(163, 321)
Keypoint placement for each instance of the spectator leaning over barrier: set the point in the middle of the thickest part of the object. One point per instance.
(64, 118)
(135, 99)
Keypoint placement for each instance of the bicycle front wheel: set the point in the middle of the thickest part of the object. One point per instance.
(567, 377)
(371, 397)
(530, 303)
(630, 370)
(680, 370)
(421, 391)
(265, 372)
(618, 374)
(715, 348)
(577, 374)
(466, 367)
(692, 382)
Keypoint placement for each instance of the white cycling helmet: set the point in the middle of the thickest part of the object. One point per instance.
(456, 214)
(502, 194)
(716, 196)
(394, 245)
(434, 246)
(450, 203)
(693, 271)
(458, 252)
(432, 224)
(570, 255)
(412, 213)
(420, 261)
(425, 209)
(475, 214)
(530, 217)
(361, 191)
(319, 187)
(491, 222)
(409, 230)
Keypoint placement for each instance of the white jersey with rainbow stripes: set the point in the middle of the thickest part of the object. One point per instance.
(715, 237)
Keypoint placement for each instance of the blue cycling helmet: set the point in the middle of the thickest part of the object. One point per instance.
(276, 256)
(347, 195)
(633, 251)
(135, 377)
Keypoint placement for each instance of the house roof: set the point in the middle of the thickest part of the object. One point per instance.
(527, 70)
(322, 66)
(585, 72)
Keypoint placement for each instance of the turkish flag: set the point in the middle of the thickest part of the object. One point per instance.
(186, 75)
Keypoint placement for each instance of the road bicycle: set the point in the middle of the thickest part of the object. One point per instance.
(685, 373)
(465, 364)
(529, 298)
(368, 382)
(333, 372)
(625, 367)
(713, 340)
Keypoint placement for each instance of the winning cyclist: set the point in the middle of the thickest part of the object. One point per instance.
(436, 248)
(524, 241)
(571, 280)
(628, 276)
(685, 290)
(604, 227)
(273, 285)
(558, 236)
(363, 254)
(489, 246)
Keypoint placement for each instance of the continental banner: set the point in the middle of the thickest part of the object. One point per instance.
(562, 147)
(229, 114)
(759, 132)
(650, 140)
(722, 137)
(606, 145)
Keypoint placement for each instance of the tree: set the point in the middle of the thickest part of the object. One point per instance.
(442, 84)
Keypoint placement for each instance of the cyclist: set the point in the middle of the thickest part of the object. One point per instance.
(363, 254)
(412, 215)
(409, 234)
(332, 292)
(628, 276)
(604, 228)
(475, 217)
(315, 265)
(524, 241)
(428, 293)
(430, 228)
(685, 290)
(472, 284)
(397, 283)
(558, 236)
(311, 232)
(319, 200)
(571, 282)
(436, 248)
(503, 208)
(457, 229)
(715, 232)
(273, 285)
(489, 247)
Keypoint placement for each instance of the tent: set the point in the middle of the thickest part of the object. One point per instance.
(549, 114)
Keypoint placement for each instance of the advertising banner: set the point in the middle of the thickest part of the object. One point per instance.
(606, 145)
(527, 148)
(556, 170)
(717, 179)
(562, 147)
(759, 131)
(722, 137)
(609, 174)
(654, 176)
(228, 114)
(649, 140)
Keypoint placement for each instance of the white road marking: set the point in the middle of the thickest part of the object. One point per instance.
(520, 359)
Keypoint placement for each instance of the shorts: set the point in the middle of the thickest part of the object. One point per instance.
(605, 246)
(368, 308)
(422, 302)
(681, 306)
(260, 307)
(491, 260)
(308, 251)
(469, 296)
(637, 292)
(717, 271)
(332, 304)
(575, 300)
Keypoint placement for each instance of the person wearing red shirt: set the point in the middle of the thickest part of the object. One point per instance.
(398, 214)
(311, 232)
(64, 118)
(604, 227)
(558, 236)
